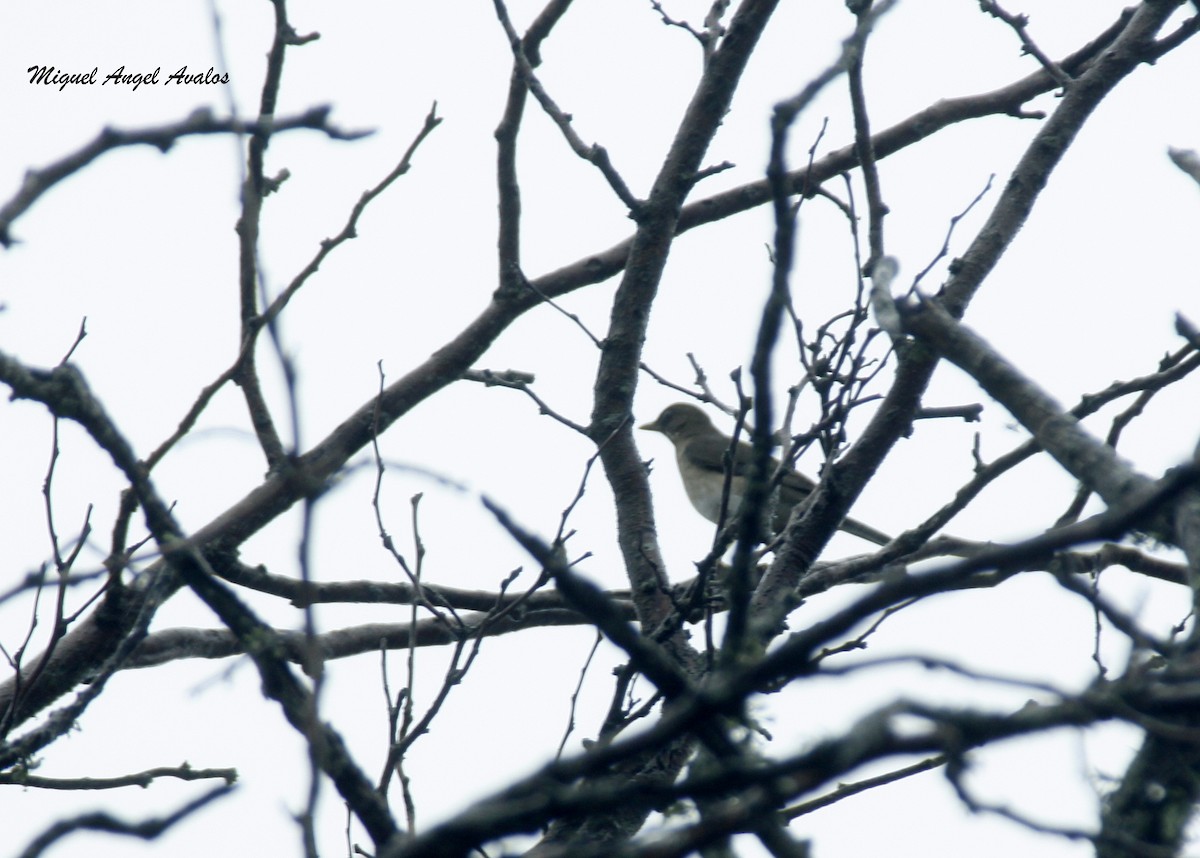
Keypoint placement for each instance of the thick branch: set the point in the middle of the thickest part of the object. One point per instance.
(174, 644)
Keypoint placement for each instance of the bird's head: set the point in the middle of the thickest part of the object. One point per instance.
(680, 422)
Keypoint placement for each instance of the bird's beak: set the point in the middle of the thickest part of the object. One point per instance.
(652, 426)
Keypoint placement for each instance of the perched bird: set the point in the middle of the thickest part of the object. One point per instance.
(700, 450)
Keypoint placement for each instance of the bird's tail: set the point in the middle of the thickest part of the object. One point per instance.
(865, 531)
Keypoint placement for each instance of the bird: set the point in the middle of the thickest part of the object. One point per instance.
(700, 449)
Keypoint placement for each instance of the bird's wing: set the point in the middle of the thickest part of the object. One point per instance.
(795, 486)
(708, 451)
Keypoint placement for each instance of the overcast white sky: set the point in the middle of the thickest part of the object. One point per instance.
(143, 245)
